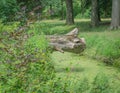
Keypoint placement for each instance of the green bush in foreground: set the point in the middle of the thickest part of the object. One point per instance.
(25, 64)
(8, 10)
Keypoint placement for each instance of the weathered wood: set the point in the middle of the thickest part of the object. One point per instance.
(68, 42)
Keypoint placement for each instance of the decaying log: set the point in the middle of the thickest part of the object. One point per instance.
(68, 42)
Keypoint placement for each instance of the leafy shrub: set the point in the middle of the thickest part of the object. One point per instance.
(8, 27)
(8, 9)
(25, 63)
(86, 14)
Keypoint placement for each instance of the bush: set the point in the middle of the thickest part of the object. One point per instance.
(25, 63)
(8, 9)
(8, 27)
(86, 14)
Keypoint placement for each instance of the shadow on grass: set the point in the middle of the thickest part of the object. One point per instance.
(73, 69)
(85, 26)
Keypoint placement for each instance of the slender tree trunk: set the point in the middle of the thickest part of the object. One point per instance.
(115, 23)
(62, 10)
(51, 12)
(94, 14)
(69, 12)
(99, 18)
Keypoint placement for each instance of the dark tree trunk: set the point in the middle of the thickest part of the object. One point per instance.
(99, 18)
(62, 10)
(51, 11)
(115, 23)
(94, 13)
(69, 12)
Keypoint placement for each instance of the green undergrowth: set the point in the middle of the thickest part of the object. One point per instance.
(100, 84)
(25, 63)
(8, 27)
(103, 45)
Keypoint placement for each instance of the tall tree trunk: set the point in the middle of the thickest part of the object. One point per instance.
(99, 17)
(62, 10)
(51, 11)
(94, 14)
(115, 23)
(69, 12)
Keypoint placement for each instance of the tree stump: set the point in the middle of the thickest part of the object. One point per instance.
(69, 42)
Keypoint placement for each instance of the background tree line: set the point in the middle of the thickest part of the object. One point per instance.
(63, 9)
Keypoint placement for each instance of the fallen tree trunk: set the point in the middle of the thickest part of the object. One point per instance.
(68, 42)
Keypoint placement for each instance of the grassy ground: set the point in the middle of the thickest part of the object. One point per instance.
(77, 66)
(102, 45)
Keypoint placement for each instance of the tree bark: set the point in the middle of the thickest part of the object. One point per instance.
(94, 13)
(51, 11)
(115, 22)
(99, 17)
(62, 10)
(68, 42)
(69, 12)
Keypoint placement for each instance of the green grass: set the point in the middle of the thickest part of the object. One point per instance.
(50, 27)
(80, 66)
(73, 67)
(102, 45)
